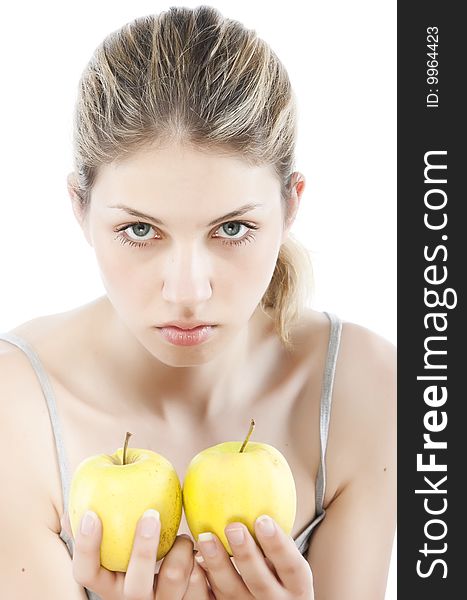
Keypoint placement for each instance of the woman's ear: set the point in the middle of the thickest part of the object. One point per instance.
(297, 185)
(78, 209)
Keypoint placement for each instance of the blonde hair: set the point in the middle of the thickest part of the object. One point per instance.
(192, 76)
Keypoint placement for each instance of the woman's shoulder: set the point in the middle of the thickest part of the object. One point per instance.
(358, 344)
(364, 406)
(20, 390)
(362, 420)
(366, 361)
(27, 331)
(364, 386)
(51, 331)
(13, 361)
(365, 368)
(17, 375)
(24, 419)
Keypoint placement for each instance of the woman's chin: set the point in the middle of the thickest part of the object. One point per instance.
(183, 355)
(188, 356)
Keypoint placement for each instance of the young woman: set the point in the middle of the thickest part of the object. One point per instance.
(184, 186)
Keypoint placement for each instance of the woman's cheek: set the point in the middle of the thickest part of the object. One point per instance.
(121, 274)
(255, 270)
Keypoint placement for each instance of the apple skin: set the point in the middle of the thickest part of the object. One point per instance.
(120, 494)
(223, 485)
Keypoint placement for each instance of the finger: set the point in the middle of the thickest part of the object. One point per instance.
(197, 585)
(271, 567)
(200, 560)
(65, 524)
(139, 578)
(87, 569)
(174, 574)
(251, 563)
(221, 573)
(292, 568)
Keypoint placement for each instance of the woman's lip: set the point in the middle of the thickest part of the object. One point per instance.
(186, 337)
(185, 329)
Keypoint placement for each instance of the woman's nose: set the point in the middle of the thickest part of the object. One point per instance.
(187, 277)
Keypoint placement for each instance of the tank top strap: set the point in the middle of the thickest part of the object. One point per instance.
(325, 405)
(49, 395)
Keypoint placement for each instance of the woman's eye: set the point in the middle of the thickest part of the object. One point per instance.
(139, 232)
(232, 229)
(136, 234)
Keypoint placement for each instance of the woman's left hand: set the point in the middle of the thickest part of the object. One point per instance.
(283, 575)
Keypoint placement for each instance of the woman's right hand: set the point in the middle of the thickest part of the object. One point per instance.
(179, 578)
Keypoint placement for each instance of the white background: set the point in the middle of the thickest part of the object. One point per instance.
(341, 58)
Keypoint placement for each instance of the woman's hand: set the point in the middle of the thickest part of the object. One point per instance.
(282, 574)
(177, 578)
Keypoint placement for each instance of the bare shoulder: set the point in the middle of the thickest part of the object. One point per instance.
(24, 417)
(30, 524)
(365, 341)
(359, 346)
(365, 376)
(367, 368)
(362, 426)
(17, 376)
(356, 537)
(362, 432)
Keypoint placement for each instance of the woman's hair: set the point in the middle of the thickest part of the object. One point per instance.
(192, 76)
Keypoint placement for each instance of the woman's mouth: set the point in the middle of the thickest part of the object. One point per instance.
(187, 337)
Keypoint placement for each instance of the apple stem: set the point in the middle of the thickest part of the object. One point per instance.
(125, 446)
(250, 431)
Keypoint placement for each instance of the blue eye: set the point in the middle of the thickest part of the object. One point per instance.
(234, 228)
(232, 225)
(140, 230)
(143, 233)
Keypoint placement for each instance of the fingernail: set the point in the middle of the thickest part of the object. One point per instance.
(236, 535)
(201, 562)
(208, 545)
(266, 525)
(88, 522)
(149, 523)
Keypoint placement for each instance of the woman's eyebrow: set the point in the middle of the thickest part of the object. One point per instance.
(231, 215)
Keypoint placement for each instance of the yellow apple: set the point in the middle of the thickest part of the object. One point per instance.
(238, 482)
(119, 488)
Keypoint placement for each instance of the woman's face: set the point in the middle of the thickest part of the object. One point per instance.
(170, 248)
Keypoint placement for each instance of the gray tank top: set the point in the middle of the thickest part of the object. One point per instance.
(302, 541)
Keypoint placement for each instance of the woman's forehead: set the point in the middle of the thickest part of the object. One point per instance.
(182, 161)
(184, 175)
